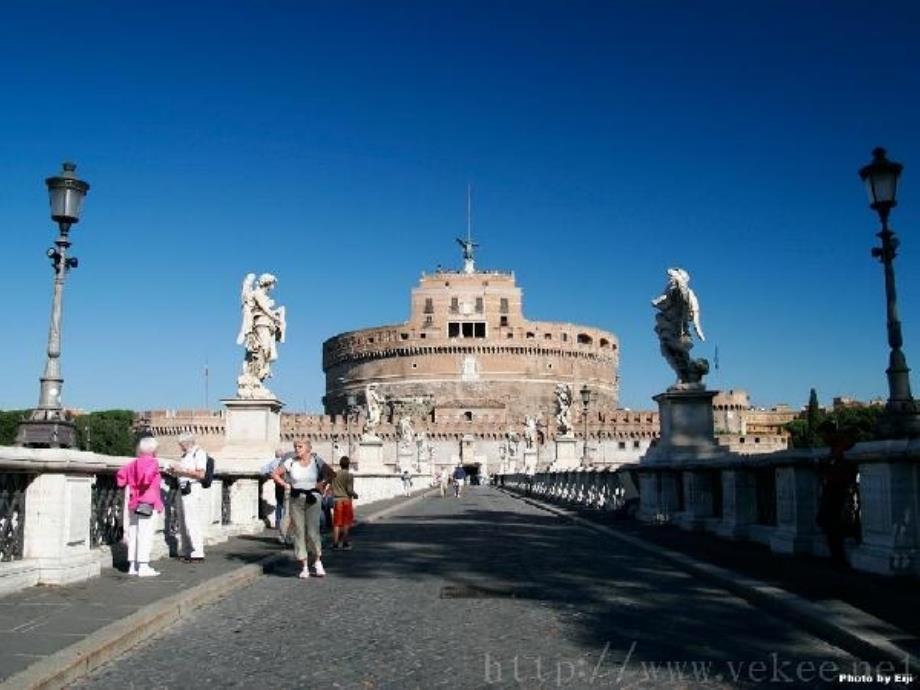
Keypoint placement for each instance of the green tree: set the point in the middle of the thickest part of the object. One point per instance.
(9, 420)
(109, 432)
(813, 419)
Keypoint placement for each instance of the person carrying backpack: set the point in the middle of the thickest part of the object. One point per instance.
(305, 476)
(194, 472)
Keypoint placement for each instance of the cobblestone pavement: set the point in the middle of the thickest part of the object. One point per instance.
(39, 621)
(484, 591)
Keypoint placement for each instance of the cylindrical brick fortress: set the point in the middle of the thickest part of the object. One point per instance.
(467, 343)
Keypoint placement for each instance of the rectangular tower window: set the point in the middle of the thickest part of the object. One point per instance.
(454, 305)
(429, 305)
(479, 305)
(479, 329)
(453, 330)
(467, 329)
(503, 305)
(504, 321)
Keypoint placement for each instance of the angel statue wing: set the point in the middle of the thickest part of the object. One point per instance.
(695, 314)
(282, 323)
(246, 305)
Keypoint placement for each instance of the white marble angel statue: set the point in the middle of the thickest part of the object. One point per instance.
(563, 409)
(263, 327)
(678, 310)
(405, 431)
(374, 402)
(530, 431)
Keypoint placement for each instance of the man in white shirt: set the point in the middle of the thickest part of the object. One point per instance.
(190, 471)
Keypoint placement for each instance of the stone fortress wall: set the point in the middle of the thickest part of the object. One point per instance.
(614, 438)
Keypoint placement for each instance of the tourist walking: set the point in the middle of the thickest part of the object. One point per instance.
(459, 477)
(406, 483)
(190, 471)
(343, 515)
(305, 476)
(141, 478)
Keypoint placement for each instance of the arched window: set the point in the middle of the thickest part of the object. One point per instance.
(468, 416)
(584, 339)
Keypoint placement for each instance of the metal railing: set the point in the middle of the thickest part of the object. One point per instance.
(106, 519)
(13, 487)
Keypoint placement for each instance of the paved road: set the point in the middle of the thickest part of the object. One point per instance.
(485, 591)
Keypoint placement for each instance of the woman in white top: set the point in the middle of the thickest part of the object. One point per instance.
(305, 476)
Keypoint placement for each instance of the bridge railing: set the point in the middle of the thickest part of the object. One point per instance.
(62, 517)
(784, 499)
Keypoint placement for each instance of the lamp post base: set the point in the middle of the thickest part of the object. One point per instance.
(900, 422)
(46, 433)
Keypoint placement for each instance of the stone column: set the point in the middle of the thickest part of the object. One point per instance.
(566, 457)
(797, 512)
(244, 502)
(370, 456)
(698, 499)
(658, 496)
(58, 508)
(888, 513)
(253, 433)
(739, 503)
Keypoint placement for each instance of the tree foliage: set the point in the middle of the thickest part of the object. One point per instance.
(109, 432)
(9, 420)
(862, 421)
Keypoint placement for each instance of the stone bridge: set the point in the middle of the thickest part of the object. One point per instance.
(541, 583)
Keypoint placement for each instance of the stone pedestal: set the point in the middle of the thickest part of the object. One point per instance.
(406, 459)
(686, 427)
(796, 512)
(659, 496)
(530, 461)
(566, 457)
(700, 494)
(370, 456)
(253, 433)
(739, 504)
(58, 509)
(889, 507)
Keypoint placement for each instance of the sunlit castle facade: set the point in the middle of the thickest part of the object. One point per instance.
(468, 346)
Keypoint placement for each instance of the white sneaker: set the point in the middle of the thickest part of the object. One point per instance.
(320, 570)
(145, 570)
(305, 573)
(133, 569)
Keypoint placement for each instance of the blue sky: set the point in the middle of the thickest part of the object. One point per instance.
(331, 143)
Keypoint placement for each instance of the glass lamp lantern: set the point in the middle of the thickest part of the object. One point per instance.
(65, 194)
(881, 179)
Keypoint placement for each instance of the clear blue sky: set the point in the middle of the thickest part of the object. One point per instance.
(332, 143)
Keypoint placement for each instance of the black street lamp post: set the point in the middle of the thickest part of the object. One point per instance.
(902, 416)
(47, 426)
(585, 402)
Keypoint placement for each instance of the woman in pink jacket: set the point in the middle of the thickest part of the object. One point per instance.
(141, 476)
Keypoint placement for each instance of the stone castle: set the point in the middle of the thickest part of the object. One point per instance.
(467, 368)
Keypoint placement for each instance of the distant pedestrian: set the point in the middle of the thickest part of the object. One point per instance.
(190, 471)
(406, 483)
(267, 470)
(459, 477)
(305, 475)
(141, 478)
(343, 515)
(444, 481)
